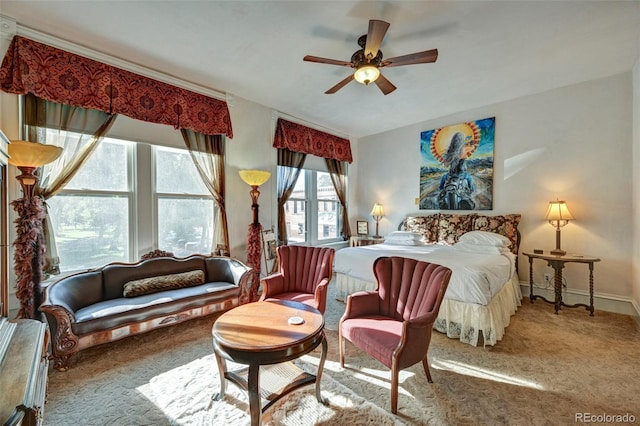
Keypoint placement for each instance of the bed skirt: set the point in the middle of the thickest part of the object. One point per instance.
(469, 322)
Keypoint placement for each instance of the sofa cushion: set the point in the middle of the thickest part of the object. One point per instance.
(163, 282)
(110, 314)
(116, 275)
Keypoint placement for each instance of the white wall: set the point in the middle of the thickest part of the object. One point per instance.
(636, 187)
(572, 143)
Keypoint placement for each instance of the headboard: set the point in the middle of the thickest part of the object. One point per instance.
(445, 228)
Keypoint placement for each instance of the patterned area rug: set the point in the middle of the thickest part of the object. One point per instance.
(548, 369)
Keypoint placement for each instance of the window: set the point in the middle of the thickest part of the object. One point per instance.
(91, 215)
(313, 210)
(185, 206)
(328, 218)
(127, 199)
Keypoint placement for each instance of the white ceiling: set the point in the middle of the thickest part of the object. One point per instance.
(489, 51)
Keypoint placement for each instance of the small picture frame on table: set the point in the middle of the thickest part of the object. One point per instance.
(363, 227)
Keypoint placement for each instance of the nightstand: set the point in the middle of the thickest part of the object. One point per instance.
(557, 263)
(364, 241)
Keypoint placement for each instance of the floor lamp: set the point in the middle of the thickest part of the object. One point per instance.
(29, 246)
(253, 178)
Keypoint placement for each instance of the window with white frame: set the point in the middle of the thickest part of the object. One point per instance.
(91, 214)
(184, 205)
(130, 195)
(313, 210)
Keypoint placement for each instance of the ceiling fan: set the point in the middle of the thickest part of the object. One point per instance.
(368, 60)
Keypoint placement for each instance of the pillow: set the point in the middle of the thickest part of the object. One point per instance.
(397, 242)
(480, 249)
(452, 226)
(405, 235)
(163, 282)
(427, 226)
(485, 238)
(506, 225)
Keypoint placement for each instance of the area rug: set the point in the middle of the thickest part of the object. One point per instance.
(184, 396)
(548, 370)
(168, 377)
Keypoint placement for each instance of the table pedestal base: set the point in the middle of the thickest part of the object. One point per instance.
(269, 382)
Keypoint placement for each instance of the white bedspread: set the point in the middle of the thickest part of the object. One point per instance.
(475, 277)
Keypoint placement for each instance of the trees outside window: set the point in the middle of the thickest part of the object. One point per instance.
(91, 215)
(130, 197)
(185, 206)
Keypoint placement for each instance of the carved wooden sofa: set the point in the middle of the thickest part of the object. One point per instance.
(124, 299)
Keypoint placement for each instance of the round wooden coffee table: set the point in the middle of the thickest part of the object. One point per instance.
(268, 333)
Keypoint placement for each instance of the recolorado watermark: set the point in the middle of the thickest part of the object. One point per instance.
(604, 418)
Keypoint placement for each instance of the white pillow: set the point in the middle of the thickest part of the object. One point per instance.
(405, 242)
(480, 249)
(404, 235)
(485, 238)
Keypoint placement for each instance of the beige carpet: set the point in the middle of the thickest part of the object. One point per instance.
(546, 371)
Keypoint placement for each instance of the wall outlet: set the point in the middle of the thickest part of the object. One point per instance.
(547, 278)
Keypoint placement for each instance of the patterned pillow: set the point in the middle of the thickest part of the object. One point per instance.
(452, 226)
(163, 282)
(506, 225)
(425, 225)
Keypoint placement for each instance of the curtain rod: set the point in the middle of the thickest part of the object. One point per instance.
(278, 114)
(59, 43)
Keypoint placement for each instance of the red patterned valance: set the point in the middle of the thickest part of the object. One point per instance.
(299, 138)
(59, 76)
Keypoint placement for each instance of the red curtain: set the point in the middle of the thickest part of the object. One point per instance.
(298, 138)
(59, 76)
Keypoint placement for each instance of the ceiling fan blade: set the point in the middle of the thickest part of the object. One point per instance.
(385, 85)
(320, 60)
(377, 30)
(340, 85)
(414, 58)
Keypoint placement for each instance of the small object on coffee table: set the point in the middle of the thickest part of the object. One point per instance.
(296, 320)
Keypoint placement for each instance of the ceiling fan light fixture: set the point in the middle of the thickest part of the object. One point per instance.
(366, 74)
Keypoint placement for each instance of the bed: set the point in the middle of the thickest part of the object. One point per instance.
(484, 291)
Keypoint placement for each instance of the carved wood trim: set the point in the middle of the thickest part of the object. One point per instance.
(65, 342)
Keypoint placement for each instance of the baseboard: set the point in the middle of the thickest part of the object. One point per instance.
(602, 302)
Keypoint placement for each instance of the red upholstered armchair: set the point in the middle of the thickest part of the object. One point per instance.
(393, 324)
(304, 275)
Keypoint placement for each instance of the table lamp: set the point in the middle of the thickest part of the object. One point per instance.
(558, 215)
(377, 212)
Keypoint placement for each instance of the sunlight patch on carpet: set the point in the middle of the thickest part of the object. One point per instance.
(483, 373)
(184, 395)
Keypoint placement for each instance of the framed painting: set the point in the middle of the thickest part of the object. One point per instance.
(456, 170)
(269, 244)
(363, 227)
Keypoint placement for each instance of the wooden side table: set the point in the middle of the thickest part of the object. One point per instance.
(364, 241)
(262, 334)
(557, 263)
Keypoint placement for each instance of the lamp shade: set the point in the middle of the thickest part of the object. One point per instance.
(254, 177)
(378, 210)
(558, 211)
(366, 74)
(32, 154)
